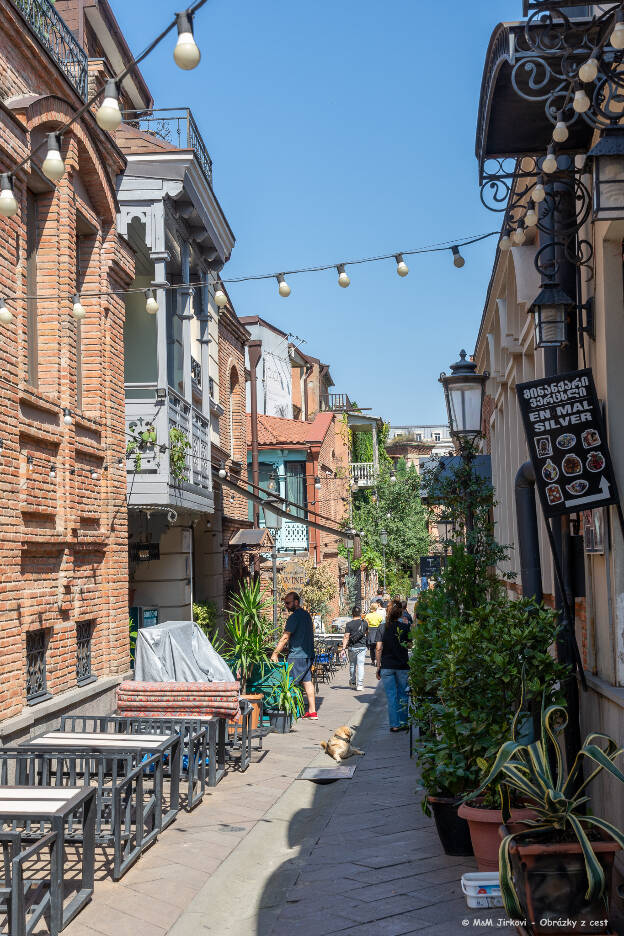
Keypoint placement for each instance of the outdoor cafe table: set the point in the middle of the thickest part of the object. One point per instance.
(120, 801)
(25, 806)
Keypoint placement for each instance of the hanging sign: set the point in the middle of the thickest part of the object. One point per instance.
(294, 577)
(567, 443)
(430, 566)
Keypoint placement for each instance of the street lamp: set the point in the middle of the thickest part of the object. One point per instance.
(464, 390)
(551, 308)
(608, 166)
(383, 537)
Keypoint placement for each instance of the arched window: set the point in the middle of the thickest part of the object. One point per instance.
(233, 399)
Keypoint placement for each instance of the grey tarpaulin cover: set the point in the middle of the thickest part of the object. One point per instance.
(178, 651)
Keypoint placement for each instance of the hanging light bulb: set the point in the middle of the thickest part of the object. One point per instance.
(8, 202)
(151, 306)
(519, 236)
(186, 54)
(53, 473)
(530, 218)
(549, 163)
(53, 165)
(539, 192)
(67, 416)
(222, 473)
(317, 483)
(284, 288)
(93, 474)
(588, 71)
(6, 317)
(220, 298)
(402, 267)
(78, 310)
(108, 115)
(560, 133)
(458, 260)
(30, 461)
(505, 241)
(617, 36)
(581, 102)
(343, 278)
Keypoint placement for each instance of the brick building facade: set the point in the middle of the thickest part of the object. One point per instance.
(63, 539)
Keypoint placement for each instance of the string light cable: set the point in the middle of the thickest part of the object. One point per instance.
(221, 298)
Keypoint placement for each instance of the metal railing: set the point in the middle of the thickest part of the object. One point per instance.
(174, 125)
(58, 40)
(335, 403)
(196, 427)
(196, 372)
(363, 473)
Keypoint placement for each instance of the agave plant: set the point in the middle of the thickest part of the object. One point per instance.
(285, 695)
(535, 772)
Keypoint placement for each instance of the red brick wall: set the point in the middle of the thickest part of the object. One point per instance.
(63, 539)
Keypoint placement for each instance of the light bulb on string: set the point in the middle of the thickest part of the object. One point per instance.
(30, 461)
(151, 306)
(93, 474)
(581, 102)
(8, 202)
(549, 163)
(588, 71)
(505, 241)
(458, 260)
(78, 310)
(560, 133)
(519, 236)
(617, 36)
(539, 192)
(53, 472)
(108, 115)
(343, 278)
(220, 298)
(186, 53)
(6, 317)
(67, 416)
(53, 166)
(402, 267)
(284, 288)
(530, 218)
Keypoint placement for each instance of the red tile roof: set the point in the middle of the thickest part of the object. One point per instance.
(275, 431)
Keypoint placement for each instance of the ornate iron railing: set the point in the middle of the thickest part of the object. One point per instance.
(84, 631)
(36, 680)
(58, 40)
(196, 372)
(174, 125)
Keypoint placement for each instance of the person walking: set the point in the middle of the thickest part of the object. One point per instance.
(298, 637)
(393, 664)
(374, 618)
(406, 616)
(355, 636)
(381, 601)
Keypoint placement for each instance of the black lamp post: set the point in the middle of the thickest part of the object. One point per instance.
(464, 391)
(383, 536)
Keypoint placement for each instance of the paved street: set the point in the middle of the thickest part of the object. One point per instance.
(267, 855)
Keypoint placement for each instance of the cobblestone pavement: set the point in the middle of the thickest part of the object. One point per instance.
(268, 855)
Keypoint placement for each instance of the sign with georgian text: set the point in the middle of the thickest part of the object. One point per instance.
(567, 443)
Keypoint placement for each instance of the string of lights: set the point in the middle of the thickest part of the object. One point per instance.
(221, 299)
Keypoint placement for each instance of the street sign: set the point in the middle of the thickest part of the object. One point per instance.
(430, 566)
(567, 443)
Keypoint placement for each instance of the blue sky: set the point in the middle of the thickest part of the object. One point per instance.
(342, 130)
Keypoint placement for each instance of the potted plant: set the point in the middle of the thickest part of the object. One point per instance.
(556, 871)
(284, 704)
(248, 638)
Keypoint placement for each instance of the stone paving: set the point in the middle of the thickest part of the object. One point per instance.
(268, 855)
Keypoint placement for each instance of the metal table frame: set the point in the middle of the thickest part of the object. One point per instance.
(84, 801)
(129, 781)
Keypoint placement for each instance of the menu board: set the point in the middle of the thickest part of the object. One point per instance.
(567, 443)
(430, 566)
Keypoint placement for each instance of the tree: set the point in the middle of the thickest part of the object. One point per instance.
(319, 590)
(396, 507)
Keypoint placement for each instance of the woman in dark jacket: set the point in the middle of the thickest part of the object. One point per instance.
(393, 664)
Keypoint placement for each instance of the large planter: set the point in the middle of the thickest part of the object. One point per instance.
(280, 722)
(551, 882)
(452, 829)
(256, 700)
(483, 825)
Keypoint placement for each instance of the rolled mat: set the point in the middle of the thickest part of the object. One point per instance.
(178, 699)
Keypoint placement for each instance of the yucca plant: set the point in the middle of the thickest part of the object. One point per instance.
(285, 695)
(248, 631)
(535, 772)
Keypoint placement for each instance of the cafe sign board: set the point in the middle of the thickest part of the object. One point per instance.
(567, 443)
(430, 566)
(294, 577)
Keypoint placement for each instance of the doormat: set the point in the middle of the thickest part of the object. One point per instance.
(327, 774)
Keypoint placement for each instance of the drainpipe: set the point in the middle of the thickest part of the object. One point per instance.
(255, 351)
(528, 537)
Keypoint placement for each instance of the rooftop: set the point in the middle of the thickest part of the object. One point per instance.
(273, 431)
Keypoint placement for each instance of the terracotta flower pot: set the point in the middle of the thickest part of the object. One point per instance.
(256, 702)
(551, 881)
(453, 830)
(483, 825)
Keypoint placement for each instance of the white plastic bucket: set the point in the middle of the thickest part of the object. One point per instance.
(482, 889)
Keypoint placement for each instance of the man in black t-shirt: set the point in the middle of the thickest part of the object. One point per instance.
(354, 639)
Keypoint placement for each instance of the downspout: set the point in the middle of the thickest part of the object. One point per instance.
(528, 537)
(255, 350)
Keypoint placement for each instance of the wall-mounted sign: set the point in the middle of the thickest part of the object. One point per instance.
(294, 576)
(149, 617)
(567, 443)
(144, 552)
(430, 566)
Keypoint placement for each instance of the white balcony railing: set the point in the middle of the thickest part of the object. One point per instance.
(363, 473)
